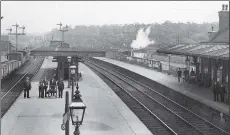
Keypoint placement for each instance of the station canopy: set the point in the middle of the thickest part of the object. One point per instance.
(208, 50)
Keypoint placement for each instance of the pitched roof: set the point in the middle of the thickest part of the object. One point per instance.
(220, 51)
(221, 36)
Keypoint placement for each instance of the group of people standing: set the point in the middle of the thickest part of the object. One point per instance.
(187, 77)
(218, 91)
(53, 85)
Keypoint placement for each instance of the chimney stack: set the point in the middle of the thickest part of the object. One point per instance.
(223, 18)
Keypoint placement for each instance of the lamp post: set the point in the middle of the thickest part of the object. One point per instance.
(73, 72)
(77, 112)
(69, 61)
(169, 63)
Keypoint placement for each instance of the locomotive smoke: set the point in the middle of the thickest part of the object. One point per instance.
(142, 39)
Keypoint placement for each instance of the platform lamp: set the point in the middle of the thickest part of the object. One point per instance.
(77, 112)
(69, 61)
(73, 72)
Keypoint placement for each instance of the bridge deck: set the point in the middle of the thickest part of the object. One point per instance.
(51, 51)
(71, 49)
(106, 114)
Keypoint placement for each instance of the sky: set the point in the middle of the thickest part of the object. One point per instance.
(42, 16)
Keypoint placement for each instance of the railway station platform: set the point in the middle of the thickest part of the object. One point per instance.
(106, 114)
(203, 95)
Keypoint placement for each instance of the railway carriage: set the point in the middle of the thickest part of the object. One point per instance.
(22, 56)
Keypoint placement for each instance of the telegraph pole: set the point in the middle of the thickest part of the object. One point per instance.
(16, 34)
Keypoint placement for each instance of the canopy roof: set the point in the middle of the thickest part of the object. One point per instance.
(209, 50)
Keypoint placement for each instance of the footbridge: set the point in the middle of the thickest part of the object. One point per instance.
(60, 54)
(83, 52)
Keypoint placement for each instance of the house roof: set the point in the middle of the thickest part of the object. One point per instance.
(55, 43)
(150, 48)
(209, 50)
(220, 36)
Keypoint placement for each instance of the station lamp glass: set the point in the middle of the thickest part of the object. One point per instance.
(77, 112)
(73, 69)
(69, 59)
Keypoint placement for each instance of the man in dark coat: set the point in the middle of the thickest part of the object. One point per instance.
(52, 85)
(193, 76)
(222, 92)
(179, 74)
(41, 89)
(214, 90)
(60, 88)
(45, 86)
(217, 91)
(27, 88)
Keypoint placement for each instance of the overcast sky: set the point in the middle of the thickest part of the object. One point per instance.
(39, 17)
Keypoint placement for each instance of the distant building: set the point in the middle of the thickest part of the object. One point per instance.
(140, 53)
(56, 43)
(147, 52)
(5, 47)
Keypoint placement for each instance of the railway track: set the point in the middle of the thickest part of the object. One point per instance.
(11, 94)
(15, 76)
(173, 116)
(204, 111)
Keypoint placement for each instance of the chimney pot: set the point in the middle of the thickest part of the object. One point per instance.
(226, 7)
(212, 28)
(223, 7)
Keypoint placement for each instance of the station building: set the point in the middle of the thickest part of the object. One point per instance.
(5, 47)
(211, 57)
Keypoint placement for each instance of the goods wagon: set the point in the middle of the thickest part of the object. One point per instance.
(9, 67)
(25, 56)
(22, 56)
(16, 56)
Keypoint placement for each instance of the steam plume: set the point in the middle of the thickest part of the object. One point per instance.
(142, 39)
